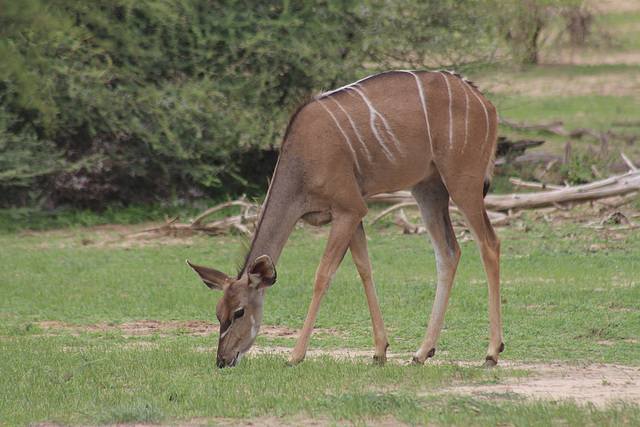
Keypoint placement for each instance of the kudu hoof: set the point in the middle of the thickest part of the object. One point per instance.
(379, 360)
(416, 362)
(419, 361)
(293, 362)
(490, 362)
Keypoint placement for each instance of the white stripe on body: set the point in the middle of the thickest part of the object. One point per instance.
(466, 118)
(486, 114)
(376, 115)
(373, 114)
(424, 106)
(346, 137)
(446, 80)
(331, 92)
(355, 129)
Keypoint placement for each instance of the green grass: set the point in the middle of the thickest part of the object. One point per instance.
(561, 300)
(574, 111)
(623, 27)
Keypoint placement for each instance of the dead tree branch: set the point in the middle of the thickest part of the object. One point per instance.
(614, 186)
(244, 222)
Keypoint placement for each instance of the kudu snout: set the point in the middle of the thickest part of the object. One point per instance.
(222, 363)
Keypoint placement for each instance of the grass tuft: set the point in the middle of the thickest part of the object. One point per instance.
(126, 414)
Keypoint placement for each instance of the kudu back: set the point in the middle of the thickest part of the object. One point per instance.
(431, 132)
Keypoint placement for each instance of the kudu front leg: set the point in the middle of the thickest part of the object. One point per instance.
(342, 229)
(360, 254)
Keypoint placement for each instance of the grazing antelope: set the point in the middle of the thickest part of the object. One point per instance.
(432, 132)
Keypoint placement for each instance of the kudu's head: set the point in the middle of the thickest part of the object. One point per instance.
(239, 311)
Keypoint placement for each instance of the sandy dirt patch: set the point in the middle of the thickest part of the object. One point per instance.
(195, 328)
(106, 236)
(137, 328)
(596, 384)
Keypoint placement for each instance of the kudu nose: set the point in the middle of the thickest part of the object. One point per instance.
(222, 363)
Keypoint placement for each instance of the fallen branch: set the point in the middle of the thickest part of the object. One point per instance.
(618, 185)
(623, 201)
(244, 222)
(519, 183)
(393, 208)
(247, 207)
(615, 186)
(409, 227)
(616, 220)
(495, 217)
(629, 163)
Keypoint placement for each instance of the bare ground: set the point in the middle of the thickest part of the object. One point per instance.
(105, 236)
(594, 384)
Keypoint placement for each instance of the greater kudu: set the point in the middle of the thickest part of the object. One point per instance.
(432, 132)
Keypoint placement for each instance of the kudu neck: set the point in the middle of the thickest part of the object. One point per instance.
(280, 213)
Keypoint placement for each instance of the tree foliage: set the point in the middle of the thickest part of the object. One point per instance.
(124, 101)
(522, 22)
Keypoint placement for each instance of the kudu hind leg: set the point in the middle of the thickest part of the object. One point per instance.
(433, 201)
(488, 244)
(360, 254)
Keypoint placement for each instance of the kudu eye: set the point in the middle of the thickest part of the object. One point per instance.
(238, 313)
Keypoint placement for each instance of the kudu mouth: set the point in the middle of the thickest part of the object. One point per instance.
(222, 363)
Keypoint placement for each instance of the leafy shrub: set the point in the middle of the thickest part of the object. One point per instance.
(121, 101)
(584, 166)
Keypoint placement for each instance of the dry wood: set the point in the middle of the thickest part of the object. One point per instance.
(615, 220)
(245, 222)
(247, 207)
(610, 187)
(560, 197)
(519, 183)
(629, 163)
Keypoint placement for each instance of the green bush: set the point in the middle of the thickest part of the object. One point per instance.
(121, 101)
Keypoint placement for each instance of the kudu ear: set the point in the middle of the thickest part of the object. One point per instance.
(212, 278)
(262, 272)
